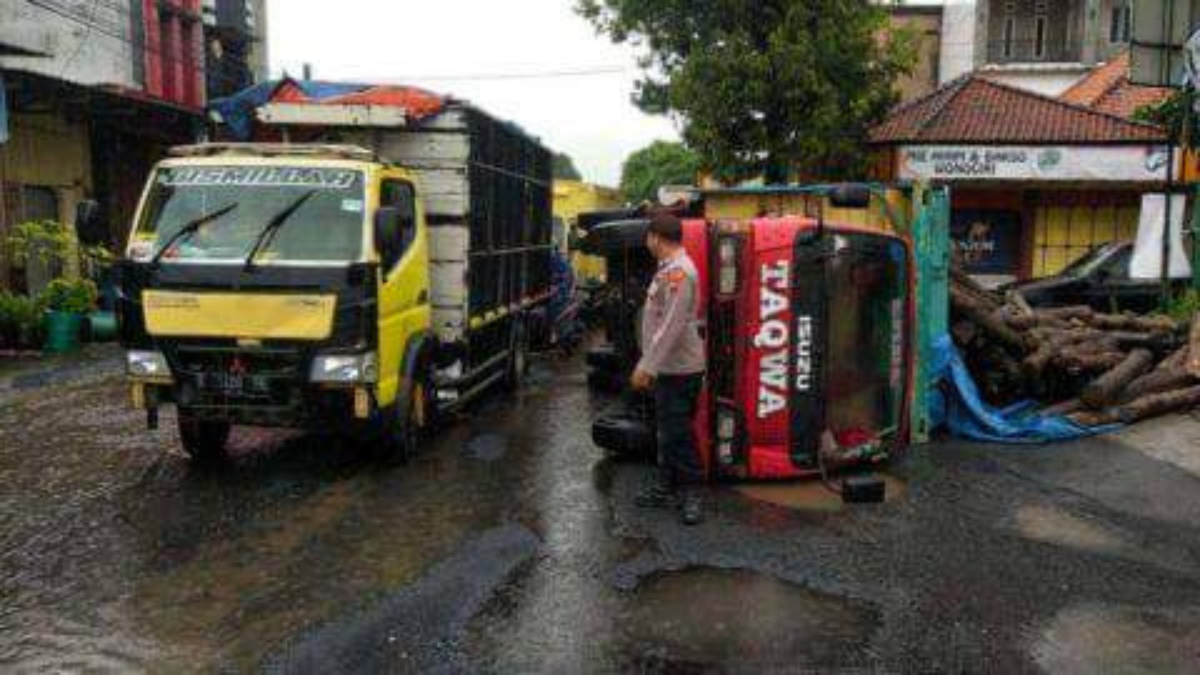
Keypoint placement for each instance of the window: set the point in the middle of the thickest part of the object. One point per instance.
(1039, 37)
(323, 214)
(400, 196)
(1119, 27)
(1010, 30)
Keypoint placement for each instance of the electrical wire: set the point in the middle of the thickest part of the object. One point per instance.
(168, 59)
(82, 42)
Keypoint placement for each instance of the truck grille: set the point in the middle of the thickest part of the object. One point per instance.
(221, 377)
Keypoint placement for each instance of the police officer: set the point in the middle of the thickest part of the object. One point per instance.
(672, 364)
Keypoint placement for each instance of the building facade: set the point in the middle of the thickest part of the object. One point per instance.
(1045, 46)
(925, 21)
(236, 45)
(93, 94)
(1037, 181)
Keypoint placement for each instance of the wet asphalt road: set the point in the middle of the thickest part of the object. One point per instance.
(510, 545)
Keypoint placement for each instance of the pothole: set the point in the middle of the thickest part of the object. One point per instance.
(810, 495)
(705, 616)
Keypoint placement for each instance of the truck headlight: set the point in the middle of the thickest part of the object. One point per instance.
(727, 257)
(151, 364)
(345, 368)
(726, 435)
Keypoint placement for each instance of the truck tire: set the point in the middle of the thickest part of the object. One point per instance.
(402, 433)
(205, 442)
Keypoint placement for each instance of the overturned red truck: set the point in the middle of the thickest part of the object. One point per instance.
(809, 329)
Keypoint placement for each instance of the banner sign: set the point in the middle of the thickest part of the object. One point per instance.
(259, 176)
(1137, 163)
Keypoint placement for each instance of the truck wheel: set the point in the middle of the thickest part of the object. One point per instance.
(403, 433)
(204, 441)
(518, 361)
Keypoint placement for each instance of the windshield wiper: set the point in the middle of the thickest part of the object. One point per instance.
(190, 229)
(272, 227)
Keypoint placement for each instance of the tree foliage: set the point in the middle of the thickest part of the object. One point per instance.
(764, 88)
(564, 167)
(1169, 114)
(660, 163)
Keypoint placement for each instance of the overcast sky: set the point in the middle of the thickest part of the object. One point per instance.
(439, 44)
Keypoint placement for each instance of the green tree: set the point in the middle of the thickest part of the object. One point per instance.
(564, 167)
(660, 163)
(764, 88)
(1169, 114)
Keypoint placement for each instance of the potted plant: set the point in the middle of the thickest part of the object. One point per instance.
(20, 322)
(67, 301)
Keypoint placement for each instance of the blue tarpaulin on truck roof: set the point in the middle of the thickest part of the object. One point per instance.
(956, 404)
(238, 110)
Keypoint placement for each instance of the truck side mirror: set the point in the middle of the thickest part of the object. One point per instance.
(850, 196)
(389, 238)
(90, 228)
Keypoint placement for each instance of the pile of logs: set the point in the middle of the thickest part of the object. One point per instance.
(1094, 368)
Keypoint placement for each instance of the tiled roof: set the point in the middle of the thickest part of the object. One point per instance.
(975, 109)
(1108, 89)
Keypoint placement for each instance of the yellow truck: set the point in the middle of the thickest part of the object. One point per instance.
(571, 198)
(329, 286)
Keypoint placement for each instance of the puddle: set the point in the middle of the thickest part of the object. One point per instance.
(486, 447)
(1054, 526)
(704, 617)
(810, 495)
(1096, 639)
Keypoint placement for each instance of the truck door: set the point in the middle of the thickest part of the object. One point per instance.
(404, 314)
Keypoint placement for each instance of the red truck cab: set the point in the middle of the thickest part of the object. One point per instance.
(809, 331)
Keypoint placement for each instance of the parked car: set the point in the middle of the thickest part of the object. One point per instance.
(1099, 279)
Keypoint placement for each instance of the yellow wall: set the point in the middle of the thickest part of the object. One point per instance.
(44, 150)
(574, 197)
(1062, 234)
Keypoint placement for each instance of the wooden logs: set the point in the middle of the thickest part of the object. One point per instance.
(1104, 390)
(1159, 404)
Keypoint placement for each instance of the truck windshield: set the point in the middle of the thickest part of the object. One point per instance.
(327, 227)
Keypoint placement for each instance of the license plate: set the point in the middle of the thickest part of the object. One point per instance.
(226, 382)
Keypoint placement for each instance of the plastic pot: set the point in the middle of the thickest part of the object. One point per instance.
(101, 327)
(62, 332)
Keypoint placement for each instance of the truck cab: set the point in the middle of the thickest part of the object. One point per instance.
(279, 286)
(809, 337)
(809, 328)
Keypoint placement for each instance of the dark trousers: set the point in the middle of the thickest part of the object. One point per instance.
(674, 409)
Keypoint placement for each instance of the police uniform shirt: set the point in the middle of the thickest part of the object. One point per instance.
(670, 336)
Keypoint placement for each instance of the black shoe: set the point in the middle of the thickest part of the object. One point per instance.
(691, 511)
(656, 495)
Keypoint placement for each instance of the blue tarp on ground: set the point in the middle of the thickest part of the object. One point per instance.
(957, 405)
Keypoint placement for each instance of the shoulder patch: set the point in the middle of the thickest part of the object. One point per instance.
(675, 277)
